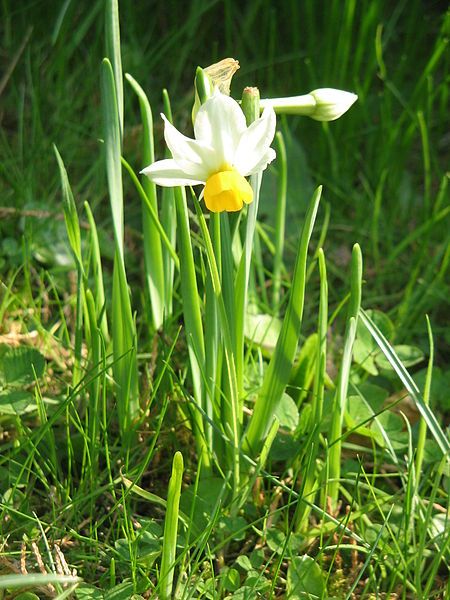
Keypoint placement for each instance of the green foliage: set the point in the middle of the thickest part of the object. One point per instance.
(347, 494)
(19, 368)
(304, 579)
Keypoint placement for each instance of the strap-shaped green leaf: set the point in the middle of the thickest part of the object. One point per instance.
(279, 369)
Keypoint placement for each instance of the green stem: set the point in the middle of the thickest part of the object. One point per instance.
(250, 107)
(232, 407)
(296, 105)
(280, 220)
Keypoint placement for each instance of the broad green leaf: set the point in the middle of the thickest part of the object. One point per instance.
(440, 385)
(365, 349)
(305, 579)
(361, 416)
(231, 580)
(361, 409)
(20, 366)
(200, 502)
(262, 330)
(16, 402)
(234, 527)
(284, 447)
(287, 412)
(246, 592)
(275, 540)
(145, 549)
(88, 592)
(257, 583)
(123, 591)
(244, 562)
(409, 356)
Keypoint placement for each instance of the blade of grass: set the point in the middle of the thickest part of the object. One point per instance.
(34, 580)
(66, 593)
(369, 555)
(168, 245)
(408, 382)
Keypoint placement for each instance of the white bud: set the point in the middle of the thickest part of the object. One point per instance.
(324, 104)
(331, 104)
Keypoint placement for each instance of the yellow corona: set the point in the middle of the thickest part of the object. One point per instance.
(227, 191)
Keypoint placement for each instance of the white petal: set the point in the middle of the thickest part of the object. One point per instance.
(263, 162)
(255, 143)
(220, 123)
(186, 150)
(168, 173)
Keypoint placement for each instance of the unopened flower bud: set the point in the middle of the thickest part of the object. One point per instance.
(331, 104)
(324, 104)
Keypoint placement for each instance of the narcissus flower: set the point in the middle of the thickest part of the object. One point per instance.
(223, 153)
